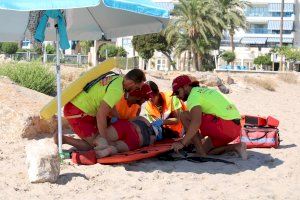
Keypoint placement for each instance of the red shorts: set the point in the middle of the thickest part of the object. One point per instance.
(127, 133)
(220, 131)
(85, 126)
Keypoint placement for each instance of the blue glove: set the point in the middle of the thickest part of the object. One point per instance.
(157, 123)
(158, 132)
(113, 119)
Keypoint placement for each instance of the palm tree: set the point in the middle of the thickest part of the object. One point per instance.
(194, 21)
(233, 16)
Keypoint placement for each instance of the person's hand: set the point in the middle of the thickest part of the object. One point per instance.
(176, 146)
(55, 138)
(157, 123)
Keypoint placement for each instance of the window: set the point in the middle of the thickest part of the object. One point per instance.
(126, 43)
(161, 64)
(257, 11)
(286, 14)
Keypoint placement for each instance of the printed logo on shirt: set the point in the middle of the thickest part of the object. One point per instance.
(105, 80)
(230, 107)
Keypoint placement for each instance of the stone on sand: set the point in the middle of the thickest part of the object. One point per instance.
(42, 161)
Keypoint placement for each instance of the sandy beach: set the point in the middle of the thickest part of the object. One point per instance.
(267, 174)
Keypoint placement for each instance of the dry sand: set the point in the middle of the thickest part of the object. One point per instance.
(267, 174)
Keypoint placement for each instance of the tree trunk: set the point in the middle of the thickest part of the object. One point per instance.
(189, 60)
(196, 63)
(170, 60)
(184, 61)
(231, 40)
(146, 64)
(20, 44)
(200, 58)
(135, 63)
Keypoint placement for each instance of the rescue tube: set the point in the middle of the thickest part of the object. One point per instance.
(76, 87)
(138, 154)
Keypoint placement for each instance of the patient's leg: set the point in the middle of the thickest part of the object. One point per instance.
(100, 143)
(110, 150)
(103, 148)
(121, 146)
(112, 134)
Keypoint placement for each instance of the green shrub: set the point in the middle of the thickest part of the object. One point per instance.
(9, 47)
(112, 51)
(263, 60)
(22, 50)
(228, 56)
(130, 62)
(31, 75)
(50, 49)
(0, 47)
(122, 52)
(85, 46)
(38, 49)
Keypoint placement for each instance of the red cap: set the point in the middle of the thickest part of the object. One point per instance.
(145, 92)
(181, 81)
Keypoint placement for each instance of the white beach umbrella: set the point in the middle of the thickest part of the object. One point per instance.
(83, 20)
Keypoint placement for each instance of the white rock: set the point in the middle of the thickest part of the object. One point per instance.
(42, 161)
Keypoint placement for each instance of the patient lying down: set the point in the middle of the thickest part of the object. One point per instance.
(124, 135)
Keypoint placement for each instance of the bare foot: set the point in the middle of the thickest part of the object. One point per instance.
(100, 143)
(241, 150)
(111, 150)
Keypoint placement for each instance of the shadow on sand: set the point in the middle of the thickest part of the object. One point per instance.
(255, 161)
(63, 179)
(287, 146)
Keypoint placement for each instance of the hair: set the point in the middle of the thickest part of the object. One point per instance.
(153, 87)
(195, 84)
(136, 75)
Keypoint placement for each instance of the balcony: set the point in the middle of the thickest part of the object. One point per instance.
(258, 14)
(259, 31)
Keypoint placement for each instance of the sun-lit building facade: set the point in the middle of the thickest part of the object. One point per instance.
(260, 36)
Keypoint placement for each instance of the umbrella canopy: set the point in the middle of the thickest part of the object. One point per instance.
(80, 20)
(85, 20)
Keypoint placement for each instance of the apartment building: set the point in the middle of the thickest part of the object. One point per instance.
(260, 36)
(263, 30)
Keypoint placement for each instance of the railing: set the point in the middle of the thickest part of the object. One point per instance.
(28, 56)
(266, 13)
(51, 58)
(128, 63)
(258, 13)
(259, 31)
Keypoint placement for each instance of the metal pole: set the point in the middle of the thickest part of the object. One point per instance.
(126, 62)
(216, 60)
(281, 31)
(58, 82)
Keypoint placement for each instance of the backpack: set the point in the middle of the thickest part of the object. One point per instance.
(89, 85)
(249, 120)
(260, 137)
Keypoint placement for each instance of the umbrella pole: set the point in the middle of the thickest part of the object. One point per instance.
(58, 96)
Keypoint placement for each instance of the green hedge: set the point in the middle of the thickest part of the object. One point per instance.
(31, 75)
(9, 47)
(50, 49)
